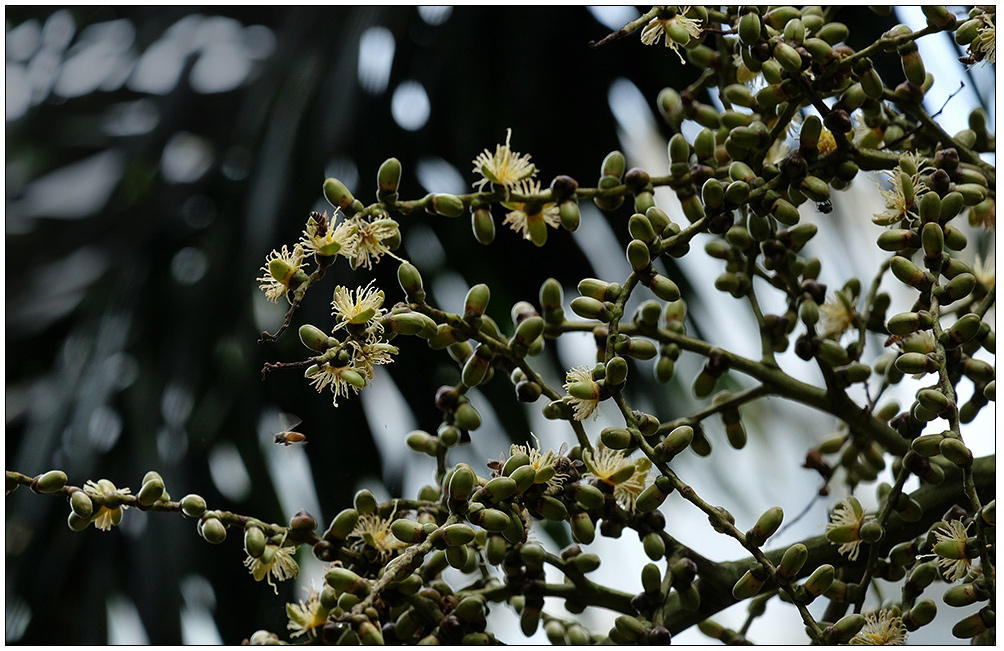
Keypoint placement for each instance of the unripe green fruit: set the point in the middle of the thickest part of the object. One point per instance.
(749, 28)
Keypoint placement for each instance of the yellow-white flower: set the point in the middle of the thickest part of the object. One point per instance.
(339, 378)
(985, 44)
(881, 628)
(276, 562)
(505, 167)
(676, 30)
(985, 271)
(363, 305)
(612, 467)
(371, 241)
(372, 353)
(527, 216)
(950, 550)
(837, 315)
(106, 517)
(307, 615)
(375, 532)
(542, 459)
(583, 392)
(844, 527)
(322, 237)
(900, 202)
(280, 268)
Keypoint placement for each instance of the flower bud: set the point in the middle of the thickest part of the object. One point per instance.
(462, 483)
(388, 179)
(337, 194)
(590, 308)
(213, 531)
(583, 531)
(820, 580)
(254, 541)
(345, 580)
(193, 506)
(833, 33)
(411, 282)
(765, 527)
(909, 273)
(846, 628)
(342, 525)
(792, 561)
(974, 624)
(447, 205)
(81, 504)
(747, 586)
(655, 546)
(678, 439)
(613, 165)
(150, 492)
(956, 451)
(50, 482)
(784, 212)
(77, 522)
(749, 28)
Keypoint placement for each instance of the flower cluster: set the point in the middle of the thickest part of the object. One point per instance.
(612, 467)
(844, 527)
(505, 167)
(106, 517)
(677, 30)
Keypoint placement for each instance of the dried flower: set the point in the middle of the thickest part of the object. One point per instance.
(838, 315)
(628, 478)
(362, 306)
(881, 628)
(587, 392)
(541, 459)
(827, 144)
(676, 30)
(106, 517)
(276, 562)
(505, 167)
(280, 268)
(844, 527)
(529, 215)
(307, 615)
(324, 238)
(950, 550)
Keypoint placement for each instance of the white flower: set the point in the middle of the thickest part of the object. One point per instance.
(276, 562)
(542, 459)
(950, 550)
(677, 31)
(527, 216)
(324, 238)
(838, 315)
(586, 396)
(362, 306)
(307, 615)
(280, 268)
(371, 241)
(106, 517)
(844, 527)
(505, 167)
(628, 478)
(881, 628)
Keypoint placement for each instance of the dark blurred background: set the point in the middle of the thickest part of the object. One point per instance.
(154, 157)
